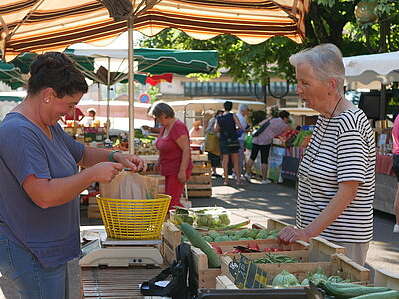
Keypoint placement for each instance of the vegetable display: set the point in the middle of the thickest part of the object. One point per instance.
(241, 235)
(271, 258)
(196, 240)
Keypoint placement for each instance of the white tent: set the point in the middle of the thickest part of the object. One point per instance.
(370, 68)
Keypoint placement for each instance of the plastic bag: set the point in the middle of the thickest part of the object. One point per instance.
(248, 142)
(212, 144)
(130, 185)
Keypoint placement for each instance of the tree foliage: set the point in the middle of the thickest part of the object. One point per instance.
(328, 21)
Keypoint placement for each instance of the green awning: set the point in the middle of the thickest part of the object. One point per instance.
(182, 62)
(24, 61)
(11, 99)
(11, 75)
(153, 61)
(150, 61)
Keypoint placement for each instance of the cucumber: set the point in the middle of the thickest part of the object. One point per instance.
(382, 295)
(343, 293)
(196, 240)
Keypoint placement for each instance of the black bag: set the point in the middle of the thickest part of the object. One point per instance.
(183, 284)
(261, 129)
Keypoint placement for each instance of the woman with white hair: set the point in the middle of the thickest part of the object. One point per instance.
(336, 175)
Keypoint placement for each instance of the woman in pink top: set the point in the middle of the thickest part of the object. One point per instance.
(263, 142)
(395, 168)
(173, 144)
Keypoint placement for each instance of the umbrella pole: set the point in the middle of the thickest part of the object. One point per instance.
(131, 83)
(108, 95)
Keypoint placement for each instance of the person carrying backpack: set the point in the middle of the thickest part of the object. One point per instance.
(262, 141)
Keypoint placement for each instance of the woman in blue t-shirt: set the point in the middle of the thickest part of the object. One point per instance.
(40, 182)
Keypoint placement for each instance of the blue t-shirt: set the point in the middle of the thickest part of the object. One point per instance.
(51, 234)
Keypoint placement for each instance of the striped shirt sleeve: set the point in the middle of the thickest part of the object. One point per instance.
(352, 151)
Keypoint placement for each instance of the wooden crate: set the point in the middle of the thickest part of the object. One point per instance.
(205, 276)
(171, 238)
(300, 246)
(321, 249)
(223, 282)
(93, 211)
(338, 265)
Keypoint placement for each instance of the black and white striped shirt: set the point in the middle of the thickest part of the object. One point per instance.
(341, 149)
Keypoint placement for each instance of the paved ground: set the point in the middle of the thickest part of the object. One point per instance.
(258, 202)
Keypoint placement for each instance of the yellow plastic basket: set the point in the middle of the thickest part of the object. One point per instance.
(134, 219)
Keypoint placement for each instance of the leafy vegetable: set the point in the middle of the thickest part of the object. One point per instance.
(284, 280)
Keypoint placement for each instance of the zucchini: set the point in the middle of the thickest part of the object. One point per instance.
(235, 226)
(343, 293)
(196, 240)
(342, 284)
(382, 295)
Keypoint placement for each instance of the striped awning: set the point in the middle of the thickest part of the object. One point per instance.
(43, 25)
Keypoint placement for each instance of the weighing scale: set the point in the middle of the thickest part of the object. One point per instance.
(121, 253)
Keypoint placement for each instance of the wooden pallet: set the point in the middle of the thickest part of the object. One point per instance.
(200, 182)
(115, 282)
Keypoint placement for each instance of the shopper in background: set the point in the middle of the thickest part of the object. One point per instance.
(228, 125)
(395, 167)
(90, 118)
(173, 144)
(74, 115)
(40, 183)
(196, 131)
(243, 112)
(212, 141)
(337, 173)
(263, 142)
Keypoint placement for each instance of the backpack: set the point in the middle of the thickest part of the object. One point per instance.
(183, 284)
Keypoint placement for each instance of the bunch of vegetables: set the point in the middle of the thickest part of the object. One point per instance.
(272, 258)
(207, 218)
(241, 235)
(183, 215)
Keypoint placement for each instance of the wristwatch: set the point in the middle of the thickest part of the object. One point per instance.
(111, 156)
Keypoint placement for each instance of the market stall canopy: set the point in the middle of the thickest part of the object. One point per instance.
(152, 61)
(11, 75)
(39, 26)
(369, 68)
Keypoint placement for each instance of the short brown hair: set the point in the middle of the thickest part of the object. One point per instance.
(163, 108)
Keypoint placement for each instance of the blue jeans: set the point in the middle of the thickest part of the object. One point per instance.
(29, 278)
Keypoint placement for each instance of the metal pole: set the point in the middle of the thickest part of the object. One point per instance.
(131, 83)
(383, 98)
(108, 94)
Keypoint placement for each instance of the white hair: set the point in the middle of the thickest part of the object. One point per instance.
(325, 60)
(242, 107)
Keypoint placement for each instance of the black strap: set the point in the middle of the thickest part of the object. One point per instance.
(181, 272)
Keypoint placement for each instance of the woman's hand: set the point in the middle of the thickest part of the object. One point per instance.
(182, 177)
(131, 161)
(291, 234)
(105, 172)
